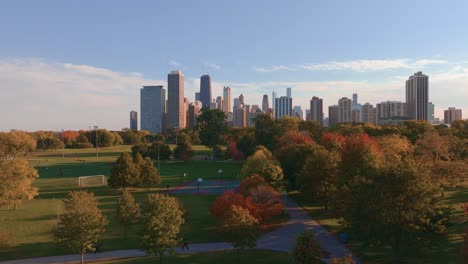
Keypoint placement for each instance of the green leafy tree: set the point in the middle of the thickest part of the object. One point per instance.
(141, 149)
(266, 131)
(162, 219)
(14, 142)
(213, 128)
(81, 224)
(240, 228)
(50, 144)
(183, 150)
(265, 165)
(128, 212)
(16, 177)
(124, 173)
(138, 161)
(306, 250)
(164, 151)
(149, 175)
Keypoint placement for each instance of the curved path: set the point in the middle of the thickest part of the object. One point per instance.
(281, 239)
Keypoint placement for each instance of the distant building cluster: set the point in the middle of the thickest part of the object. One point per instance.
(158, 113)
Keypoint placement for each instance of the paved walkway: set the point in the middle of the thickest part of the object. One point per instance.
(281, 239)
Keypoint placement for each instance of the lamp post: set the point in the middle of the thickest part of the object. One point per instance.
(97, 143)
(200, 180)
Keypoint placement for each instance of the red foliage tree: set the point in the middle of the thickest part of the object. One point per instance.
(69, 136)
(360, 154)
(223, 204)
(250, 183)
(333, 141)
(264, 203)
(233, 151)
(294, 137)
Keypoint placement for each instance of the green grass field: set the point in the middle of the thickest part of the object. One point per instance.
(32, 223)
(445, 252)
(229, 257)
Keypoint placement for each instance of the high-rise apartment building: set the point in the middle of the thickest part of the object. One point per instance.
(227, 99)
(241, 99)
(316, 110)
(193, 113)
(390, 110)
(205, 90)
(344, 112)
(175, 103)
(197, 96)
(452, 114)
(430, 111)
(265, 105)
(152, 108)
(288, 92)
(133, 120)
(368, 114)
(333, 115)
(283, 107)
(219, 103)
(273, 101)
(417, 96)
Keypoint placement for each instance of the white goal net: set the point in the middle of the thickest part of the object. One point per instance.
(93, 180)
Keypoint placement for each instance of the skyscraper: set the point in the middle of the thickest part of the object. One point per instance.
(193, 113)
(417, 96)
(316, 110)
(430, 111)
(241, 100)
(390, 110)
(197, 96)
(333, 115)
(288, 92)
(175, 103)
(283, 107)
(205, 90)
(345, 112)
(219, 103)
(273, 101)
(152, 108)
(265, 103)
(227, 99)
(452, 114)
(133, 120)
(356, 109)
(368, 114)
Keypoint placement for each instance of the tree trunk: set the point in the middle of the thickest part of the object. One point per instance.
(82, 257)
(160, 258)
(15, 205)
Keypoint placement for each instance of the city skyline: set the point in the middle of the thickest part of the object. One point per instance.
(58, 71)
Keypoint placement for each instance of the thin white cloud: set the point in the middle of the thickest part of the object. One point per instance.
(175, 63)
(211, 65)
(356, 65)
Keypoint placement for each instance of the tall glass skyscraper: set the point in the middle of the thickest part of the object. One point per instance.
(175, 100)
(205, 90)
(417, 96)
(227, 99)
(152, 108)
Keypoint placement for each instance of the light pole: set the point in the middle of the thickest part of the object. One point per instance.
(159, 165)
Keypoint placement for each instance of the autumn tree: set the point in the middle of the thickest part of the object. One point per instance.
(138, 161)
(159, 150)
(149, 175)
(223, 204)
(162, 219)
(141, 149)
(306, 250)
(247, 185)
(361, 155)
(395, 148)
(348, 259)
(14, 142)
(266, 131)
(264, 202)
(50, 143)
(320, 173)
(265, 165)
(415, 129)
(333, 141)
(81, 224)
(69, 137)
(123, 173)
(16, 177)
(432, 147)
(240, 228)
(127, 212)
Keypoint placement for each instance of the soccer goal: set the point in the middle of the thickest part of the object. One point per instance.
(93, 180)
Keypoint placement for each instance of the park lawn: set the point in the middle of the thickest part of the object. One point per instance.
(228, 257)
(446, 251)
(31, 225)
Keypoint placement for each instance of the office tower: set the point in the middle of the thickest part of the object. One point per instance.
(430, 111)
(308, 115)
(288, 92)
(417, 96)
(219, 103)
(452, 114)
(133, 120)
(186, 107)
(193, 113)
(152, 108)
(344, 113)
(390, 110)
(197, 96)
(205, 90)
(316, 110)
(227, 99)
(241, 99)
(356, 109)
(355, 115)
(297, 110)
(283, 107)
(236, 103)
(240, 116)
(265, 105)
(333, 115)
(273, 101)
(254, 108)
(213, 104)
(368, 113)
(175, 102)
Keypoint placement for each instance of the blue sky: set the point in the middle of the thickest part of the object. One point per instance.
(71, 65)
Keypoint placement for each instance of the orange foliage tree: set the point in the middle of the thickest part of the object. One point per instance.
(223, 204)
(360, 155)
(233, 151)
(264, 203)
(333, 141)
(69, 137)
(250, 183)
